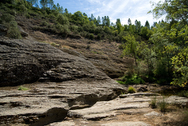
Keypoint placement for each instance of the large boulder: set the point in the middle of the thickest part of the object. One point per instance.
(25, 61)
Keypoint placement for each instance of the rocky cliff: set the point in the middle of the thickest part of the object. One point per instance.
(26, 61)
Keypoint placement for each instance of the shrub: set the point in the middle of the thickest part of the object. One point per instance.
(91, 36)
(131, 90)
(44, 23)
(183, 93)
(13, 31)
(52, 18)
(133, 79)
(65, 31)
(27, 15)
(84, 34)
(99, 37)
(7, 18)
(54, 44)
(74, 28)
(62, 19)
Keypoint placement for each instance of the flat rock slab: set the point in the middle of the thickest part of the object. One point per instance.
(64, 123)
(99, 116)
(103, 107)
(47, 99)
(152, 114)
(126, 124)
(139, 94)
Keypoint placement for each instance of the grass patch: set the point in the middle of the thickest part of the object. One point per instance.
(21, 88)
(131, 90)
(163, 105)
(153, 103)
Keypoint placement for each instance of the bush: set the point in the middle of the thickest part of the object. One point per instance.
(27, 15)
(131, 90)
(13, 31)
(7, 18)
(133, 79)
(183, 93)
(74, 28)
(99, 37)
(91, 36)
(62, 19)
(44, 23)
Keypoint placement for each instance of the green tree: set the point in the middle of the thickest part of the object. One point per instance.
(44, 3)
(173, 9)
(129, 22)
(33, 2)
(98, 20)
(119, 26)
(137, 26)
(145, 32)
(147, 25)
(130, 48)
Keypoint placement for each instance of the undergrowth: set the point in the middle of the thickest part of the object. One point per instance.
(134, 79)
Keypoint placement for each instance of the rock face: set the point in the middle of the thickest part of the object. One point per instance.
(61, 82)
(24, 61)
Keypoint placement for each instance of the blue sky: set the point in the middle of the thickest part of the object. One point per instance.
(123, 9)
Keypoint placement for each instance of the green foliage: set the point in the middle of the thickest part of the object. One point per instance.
(44, 23)
(173, 9)
(91, 36)
(131, 90)
(134, 79)
(6, 18)
(183, 93)
(145, 32)
(13, 31)
(62, 19)
(180, 64)
(21, 88)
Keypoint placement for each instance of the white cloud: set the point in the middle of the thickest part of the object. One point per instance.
(123, 9)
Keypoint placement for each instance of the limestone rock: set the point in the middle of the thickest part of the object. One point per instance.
(152, 114)
(26, 61)
(176, 100)
(126, 123)
(104, 107)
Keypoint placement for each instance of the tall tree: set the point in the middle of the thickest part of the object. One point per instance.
(137, 26)
(119, 26)
(50, 3)
(147, 24)
(92, 17)
(44, 3)
(33, 2)
(129, 22)
(98, 20)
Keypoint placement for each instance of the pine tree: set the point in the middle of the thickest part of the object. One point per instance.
(98, 20)
(129, 22)
(147, 25)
